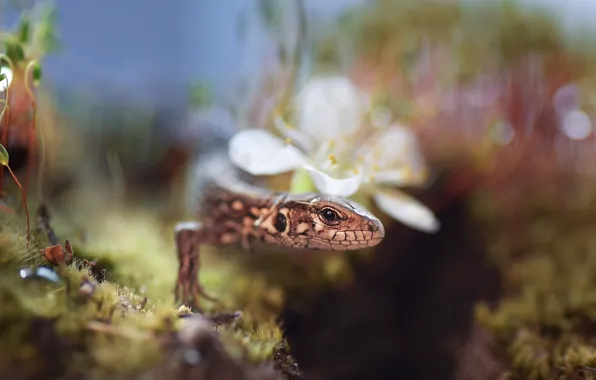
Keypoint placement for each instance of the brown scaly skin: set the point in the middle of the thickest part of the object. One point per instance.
(232, 212)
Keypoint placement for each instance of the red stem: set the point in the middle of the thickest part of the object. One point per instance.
(30, 149)
(24, 201)
(5, 142)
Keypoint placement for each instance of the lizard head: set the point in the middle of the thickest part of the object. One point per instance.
(319, 222)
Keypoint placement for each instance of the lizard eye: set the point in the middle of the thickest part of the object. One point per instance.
(329, 215)
(280, 222)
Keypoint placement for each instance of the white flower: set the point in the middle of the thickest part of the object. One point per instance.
(328, 107)
(341, 155)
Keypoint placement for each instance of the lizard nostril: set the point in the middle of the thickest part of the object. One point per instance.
(378, 233)
(379, 230)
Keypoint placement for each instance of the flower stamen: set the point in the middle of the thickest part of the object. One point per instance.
(332, 159)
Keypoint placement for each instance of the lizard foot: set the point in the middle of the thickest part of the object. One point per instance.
(188, 290)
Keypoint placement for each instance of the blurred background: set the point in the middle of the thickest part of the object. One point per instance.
(501, 96)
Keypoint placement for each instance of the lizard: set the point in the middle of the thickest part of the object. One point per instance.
(233, 208)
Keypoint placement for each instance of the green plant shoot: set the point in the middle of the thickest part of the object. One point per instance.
(301, 182)
(3, 156)
(36, 73)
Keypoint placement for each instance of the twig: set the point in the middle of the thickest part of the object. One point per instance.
(43, 224)
(225, 318)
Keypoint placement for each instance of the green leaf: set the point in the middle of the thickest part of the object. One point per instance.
(2, 77)
(46, 30)
(25, 29)
(3, 156)
(37, 73)
(14, 51)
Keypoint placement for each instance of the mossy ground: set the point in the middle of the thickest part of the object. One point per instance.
(135, 304)
(544, 324)
(543, 327)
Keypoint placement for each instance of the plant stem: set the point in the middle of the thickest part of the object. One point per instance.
(4, 140)
(5, 137)
(24, 201)
(301, 182)
(299, 51)
(31, 147)
(32, 138)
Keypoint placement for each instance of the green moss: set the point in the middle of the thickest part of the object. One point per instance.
(545, 323)
(117, 326)
(137, 300)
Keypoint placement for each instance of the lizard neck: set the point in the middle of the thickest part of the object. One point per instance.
(229, 201)
(229, 215)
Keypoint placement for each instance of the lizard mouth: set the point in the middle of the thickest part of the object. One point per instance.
(378, 234)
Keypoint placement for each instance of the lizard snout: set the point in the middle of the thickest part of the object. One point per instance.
(378, 232)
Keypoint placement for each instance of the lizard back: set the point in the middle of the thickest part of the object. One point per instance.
(226, 199)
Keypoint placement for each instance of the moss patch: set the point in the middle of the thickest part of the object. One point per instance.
(118, 326)
(545, 324)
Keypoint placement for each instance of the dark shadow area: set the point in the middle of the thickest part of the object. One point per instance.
(407, 314)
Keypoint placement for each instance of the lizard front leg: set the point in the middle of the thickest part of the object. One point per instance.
(189, 236)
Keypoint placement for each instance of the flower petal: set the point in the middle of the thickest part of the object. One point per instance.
(328, 107)
(261, 153)
(393, 157)
(297, 137)
(406, 210)
(398, 177)
(340, 187)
